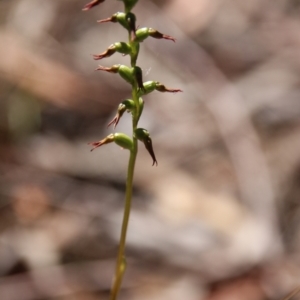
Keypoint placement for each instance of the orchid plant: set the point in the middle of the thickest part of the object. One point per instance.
(133, 75)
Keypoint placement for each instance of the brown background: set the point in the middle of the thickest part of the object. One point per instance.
(217, 219)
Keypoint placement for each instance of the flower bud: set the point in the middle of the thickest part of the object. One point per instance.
(128, 105)
(143, 135)
(125, 72)
(120, 47)
(120, 139)
(92, 4)
(143, 33)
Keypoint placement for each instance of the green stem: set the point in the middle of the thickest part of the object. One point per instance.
(121, 260)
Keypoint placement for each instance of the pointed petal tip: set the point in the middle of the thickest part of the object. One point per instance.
(154, 163)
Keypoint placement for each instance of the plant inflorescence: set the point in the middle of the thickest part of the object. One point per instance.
(133, 75)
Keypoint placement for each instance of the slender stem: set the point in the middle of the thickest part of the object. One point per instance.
(121, 261)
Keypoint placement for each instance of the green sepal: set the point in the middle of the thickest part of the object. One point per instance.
(149, 86)
(141, 134)
(120, 17)
(123, 141)
(129, 104)
(141, 34)
(126, 73)
(122, 47)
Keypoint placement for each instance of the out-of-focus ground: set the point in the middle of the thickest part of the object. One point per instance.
(218, 219)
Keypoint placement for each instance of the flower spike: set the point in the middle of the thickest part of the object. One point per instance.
(133, 75)
(92, 4)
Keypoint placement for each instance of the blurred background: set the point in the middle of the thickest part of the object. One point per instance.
(218, 218)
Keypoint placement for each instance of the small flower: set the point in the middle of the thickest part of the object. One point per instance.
(120, 139)
(150, 86)
(125, 72)
(120, 47)
(128, 21)
(144, 136)
(92, 4)
(157, 35)
(127, 104)
(143, 33)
